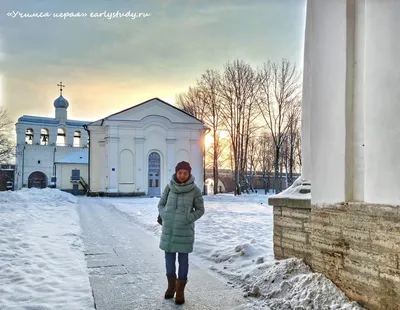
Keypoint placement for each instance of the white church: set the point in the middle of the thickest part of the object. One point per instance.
(135, 151)
(132, 152)
(44, 143)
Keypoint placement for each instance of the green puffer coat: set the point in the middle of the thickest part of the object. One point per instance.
(179, 207)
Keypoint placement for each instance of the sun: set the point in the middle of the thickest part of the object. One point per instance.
(208, 140)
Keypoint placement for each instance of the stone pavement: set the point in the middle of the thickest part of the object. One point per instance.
(126, 267)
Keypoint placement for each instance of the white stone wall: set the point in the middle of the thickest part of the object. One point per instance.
(158, 136)
(32, 158)
(351, 101)
(61, 115)
(328, 100)
(97, 160)
(382, 102)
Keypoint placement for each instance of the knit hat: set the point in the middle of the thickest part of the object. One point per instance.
(183, 165)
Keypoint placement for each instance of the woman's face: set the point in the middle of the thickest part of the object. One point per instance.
(182, 175)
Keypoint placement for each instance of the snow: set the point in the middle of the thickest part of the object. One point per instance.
(75, 158)
(42, 252)
(300, 189)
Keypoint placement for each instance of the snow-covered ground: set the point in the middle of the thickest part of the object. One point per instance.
(42, 252)
(42, 265)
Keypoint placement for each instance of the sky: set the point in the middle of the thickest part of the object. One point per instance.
(110, 64)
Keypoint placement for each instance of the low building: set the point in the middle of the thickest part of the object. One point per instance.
(71, 173)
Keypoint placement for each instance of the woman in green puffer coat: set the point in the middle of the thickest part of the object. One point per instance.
(181, 204)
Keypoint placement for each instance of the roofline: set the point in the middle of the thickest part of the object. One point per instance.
(43, 120)
(155, 98)
(70, 162)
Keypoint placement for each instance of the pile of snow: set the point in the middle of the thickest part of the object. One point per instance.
(290, 284)
(41, 252)
(300, 189)
(35, 195)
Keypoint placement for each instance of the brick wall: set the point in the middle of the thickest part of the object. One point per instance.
(355, 245)
(292, 228)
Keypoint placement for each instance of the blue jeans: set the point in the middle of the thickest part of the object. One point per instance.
(183, 259)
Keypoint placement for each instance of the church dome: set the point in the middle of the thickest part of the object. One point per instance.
(61, 102)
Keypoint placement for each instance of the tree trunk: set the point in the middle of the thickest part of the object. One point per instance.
(280, 174)
(276, 166)
(215, 163)
(291, 159)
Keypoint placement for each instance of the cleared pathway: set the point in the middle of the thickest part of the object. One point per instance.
(127, 268)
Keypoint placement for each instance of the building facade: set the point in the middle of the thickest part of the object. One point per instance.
(42, 141)
(135, 151)
(72, 173)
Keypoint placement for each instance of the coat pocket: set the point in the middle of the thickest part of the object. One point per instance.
(188, 210)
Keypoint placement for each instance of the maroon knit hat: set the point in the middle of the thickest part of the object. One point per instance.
(183, 165)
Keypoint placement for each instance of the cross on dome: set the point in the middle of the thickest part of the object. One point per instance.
(61, 86)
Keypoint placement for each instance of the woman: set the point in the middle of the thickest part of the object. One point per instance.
(181, 204)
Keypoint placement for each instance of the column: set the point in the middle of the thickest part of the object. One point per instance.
(327, 58)
(382, 102)
(171, 160)
(84, 138)
(69, 141)
(53, 135)
(140, 163)
(113, 167)
(21, 134)
(196, 159)
(358, 103)
(36, 135)
(306, 100)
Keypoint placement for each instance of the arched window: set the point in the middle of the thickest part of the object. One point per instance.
(29, 136)
(77, 138)
(154, 171)
(61, 137)
(44, 136)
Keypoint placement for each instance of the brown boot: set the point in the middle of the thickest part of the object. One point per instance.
(170, 292)
(180, 295)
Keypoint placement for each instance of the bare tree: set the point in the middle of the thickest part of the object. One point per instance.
(7, 147)
(192, 102)
(293, 138)
(203, 102)
(238, 89)
(233, 102)
(253, 162)
(265, 158)
(208, 87)
(280, 90)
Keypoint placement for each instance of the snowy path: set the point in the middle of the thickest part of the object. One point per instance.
(126, 266)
